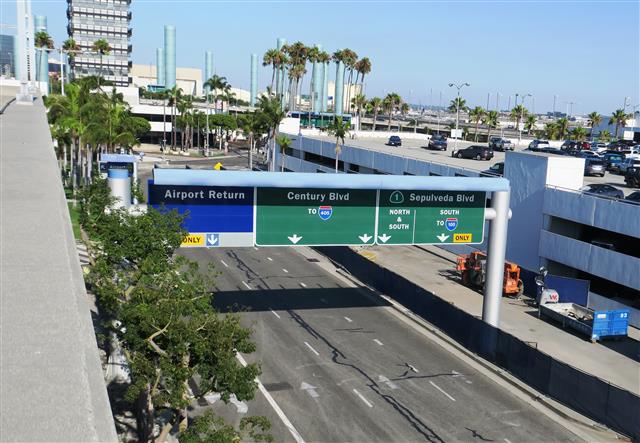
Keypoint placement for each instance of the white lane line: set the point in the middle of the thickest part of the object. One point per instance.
(285, 420)
(378, 342)
(413, 368)
(441, 390)
(285, 271)
(310, 347)
(269, 258)
(225, 265)
(303, 285)
(348, 319)
(255, 248)
(366, 402)
(275, 313)
(245, 283)
(507, 440)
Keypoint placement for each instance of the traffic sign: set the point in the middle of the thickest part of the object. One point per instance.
(430, 217)
(314, 216)
(213, 240)
(193, 240)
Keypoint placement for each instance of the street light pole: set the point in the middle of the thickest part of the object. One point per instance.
(520, 120)
(459, 87)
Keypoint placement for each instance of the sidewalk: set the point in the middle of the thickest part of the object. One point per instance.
(434, 269)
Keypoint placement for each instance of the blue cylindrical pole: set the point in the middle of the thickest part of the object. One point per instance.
(160, 67)
(325, 86)
(337, 96)
(254, 79)
(170, 55)
(208, 68)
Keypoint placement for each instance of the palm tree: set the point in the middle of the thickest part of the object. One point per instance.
(491, 121)
(270, 58)
(458, 104)
(404, 110)
(518, 114)
(363, 67)
(359, 103)
(579, 133)
(271, 111)
(297, 53)
(376, 107)
(254, 126)
(551, 130)
(175, 96)
(339, 130)
(604, 135)
(390, 103)
(476, 115)
(349, 57)
(284, 142)
(562, 127)
(312, 57)
(620, 119)
(530, 123)
(71, 48)
(43, 40)
(324, 58)
(101, 46)
(594, 120)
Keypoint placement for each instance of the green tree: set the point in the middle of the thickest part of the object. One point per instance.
(102, 47)
(254, 125)
(339, 129)
(530, 123)
(562, 128)
(285, 143)
(43, 40)
(376, 106)
(363, 67)
(551, 130)
(270, 58)
(158, 305)
(491, 121)
(518, 115)
(594, 120)
(271, 111)
(458, 104)
(604, 135)
(619, 118)
(211, 429)
(359, 104)
(390, 104)
(579, 133)
(476, 115)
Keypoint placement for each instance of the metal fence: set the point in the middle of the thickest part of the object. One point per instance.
(591, 396)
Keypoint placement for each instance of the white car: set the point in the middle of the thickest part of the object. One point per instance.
(628, 162)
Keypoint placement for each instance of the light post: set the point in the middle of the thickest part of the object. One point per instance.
(438, 115)
(627, 100)
(459, 87)
(520, 120)
(555, 96)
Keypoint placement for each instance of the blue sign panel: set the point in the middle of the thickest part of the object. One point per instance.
(451, 224)
(212, 240)
(325, 212)
(210, 209)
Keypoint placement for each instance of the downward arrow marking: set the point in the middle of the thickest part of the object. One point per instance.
(384, 238)
(365, 238)
(442, 237)
(294, 238)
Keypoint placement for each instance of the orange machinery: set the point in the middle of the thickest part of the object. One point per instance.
(473, 269)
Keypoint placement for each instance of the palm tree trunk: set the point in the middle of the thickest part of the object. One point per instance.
(375, 119)
(273, 76)
(476, 135)
(389, 126)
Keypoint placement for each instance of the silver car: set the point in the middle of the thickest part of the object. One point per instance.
(594, 166)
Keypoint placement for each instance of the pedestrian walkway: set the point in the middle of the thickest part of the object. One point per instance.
(434, 270)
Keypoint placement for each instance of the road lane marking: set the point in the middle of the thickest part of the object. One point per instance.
(245, 283)
(378, 342)
(311, 390)
(285, 271)
(366, 402)
(269, 258)
(275, 313)
(225, 265)
(310, 347)
(255, 248)
(303, 285)
(442, 390)
(348, 319)
(386, 381)
(285, 420)
(507, 440)
(413, 368)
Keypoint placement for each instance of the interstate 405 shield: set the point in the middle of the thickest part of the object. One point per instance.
(310, 216)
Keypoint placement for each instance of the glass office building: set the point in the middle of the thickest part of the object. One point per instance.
(90, 20)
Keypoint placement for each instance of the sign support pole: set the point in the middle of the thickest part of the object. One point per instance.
(495, 258)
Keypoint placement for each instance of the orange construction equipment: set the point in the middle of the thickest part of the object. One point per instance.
(473, 269)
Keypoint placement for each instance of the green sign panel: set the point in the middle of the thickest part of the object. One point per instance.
(312, 216)
(430, 217)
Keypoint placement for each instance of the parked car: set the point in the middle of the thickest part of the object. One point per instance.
(500, 144)
(632, 177)
(569, 145)
(394, 140)
(474, 151)
(594, 166)
(588, 154)
(627, 163)
(537, 145)
(555, 151)
(598, 147)
(602, 190)
(634, 197)
(495, 170)
(438, 142)
(612, 160)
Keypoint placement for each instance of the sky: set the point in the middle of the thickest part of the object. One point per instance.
(586, 52)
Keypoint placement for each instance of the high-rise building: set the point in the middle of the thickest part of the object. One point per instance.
(90, 20)
(7, 55)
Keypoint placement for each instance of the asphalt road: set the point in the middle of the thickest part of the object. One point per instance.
(342, 368)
